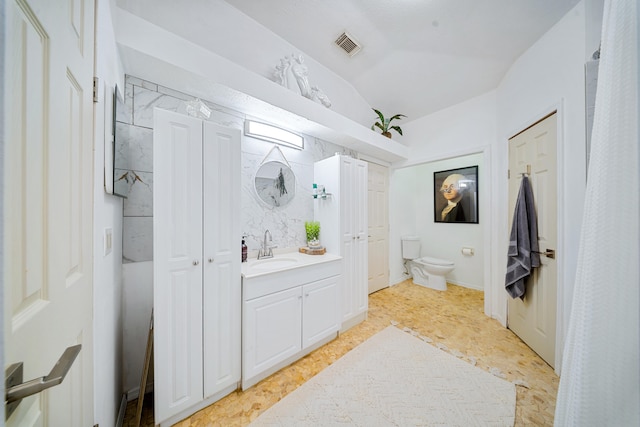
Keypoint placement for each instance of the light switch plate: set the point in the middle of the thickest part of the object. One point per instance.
(108, 241)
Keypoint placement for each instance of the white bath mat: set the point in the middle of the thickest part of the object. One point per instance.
(395, 379)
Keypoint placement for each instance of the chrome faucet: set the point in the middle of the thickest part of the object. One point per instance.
(266, 251)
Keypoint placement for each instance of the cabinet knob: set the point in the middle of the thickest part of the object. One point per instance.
(196, 262)
(210, 259)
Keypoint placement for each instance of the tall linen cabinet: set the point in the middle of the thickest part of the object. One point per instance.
(343, 228)
(196, 251)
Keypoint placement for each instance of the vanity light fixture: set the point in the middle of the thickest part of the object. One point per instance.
(273, 134)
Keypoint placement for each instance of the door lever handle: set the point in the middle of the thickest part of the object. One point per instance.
(18, 390)
(549, 253)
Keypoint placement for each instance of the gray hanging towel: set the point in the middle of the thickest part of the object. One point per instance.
(523, 242)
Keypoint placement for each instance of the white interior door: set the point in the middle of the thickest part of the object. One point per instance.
(48, 175)
(534, 318)
(378, 213)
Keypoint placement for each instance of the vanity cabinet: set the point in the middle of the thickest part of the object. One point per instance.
(285, 318)
(196, 250)
(273, 327)
(343, 220)
(321, 310)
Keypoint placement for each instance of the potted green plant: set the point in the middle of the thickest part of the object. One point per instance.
(313, 233)
(384, 124)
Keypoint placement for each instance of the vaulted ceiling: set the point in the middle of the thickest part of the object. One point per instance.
(417, 56)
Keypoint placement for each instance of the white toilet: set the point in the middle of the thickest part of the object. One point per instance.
(427, 271)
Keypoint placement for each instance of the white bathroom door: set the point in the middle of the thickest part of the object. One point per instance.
(534, 318)
(378, 212)
(48, 204)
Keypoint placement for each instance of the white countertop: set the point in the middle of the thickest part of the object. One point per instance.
(283, 262)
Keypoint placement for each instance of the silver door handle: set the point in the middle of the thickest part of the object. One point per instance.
(18, 390)
(549, 253)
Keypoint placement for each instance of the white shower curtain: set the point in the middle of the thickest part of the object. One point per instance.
(600, 379)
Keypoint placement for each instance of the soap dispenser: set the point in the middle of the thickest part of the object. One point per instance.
(244, 250)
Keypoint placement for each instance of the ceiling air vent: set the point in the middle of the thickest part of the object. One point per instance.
(348, 44)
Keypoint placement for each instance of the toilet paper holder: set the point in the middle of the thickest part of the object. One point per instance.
(467, 251)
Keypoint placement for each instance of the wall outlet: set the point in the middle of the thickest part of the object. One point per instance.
(108, 241)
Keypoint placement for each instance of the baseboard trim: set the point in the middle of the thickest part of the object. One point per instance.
(465, 285)
(134, 393)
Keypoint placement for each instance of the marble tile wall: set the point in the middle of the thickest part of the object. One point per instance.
(134, 127)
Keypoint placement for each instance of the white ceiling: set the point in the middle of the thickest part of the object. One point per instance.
(418, 56)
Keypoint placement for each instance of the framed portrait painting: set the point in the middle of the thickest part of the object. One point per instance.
(455, 195)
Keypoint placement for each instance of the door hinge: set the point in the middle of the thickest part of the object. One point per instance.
(96, 82)
(508, 173)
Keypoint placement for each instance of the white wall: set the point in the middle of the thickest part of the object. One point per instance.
(448, 137)
(412, 202)
(594, 10)
(402, 214)
(446, 240)
(107, 212)
(458, 130)
(548, 76)
(137, 297)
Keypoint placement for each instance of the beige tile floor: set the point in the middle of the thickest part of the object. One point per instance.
(454, 319)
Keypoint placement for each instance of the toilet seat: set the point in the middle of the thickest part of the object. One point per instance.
(434, 261)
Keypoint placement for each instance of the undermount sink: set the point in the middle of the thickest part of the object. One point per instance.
(273, 263)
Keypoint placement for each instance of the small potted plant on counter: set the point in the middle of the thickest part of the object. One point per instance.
(384, 123)
(313, 233)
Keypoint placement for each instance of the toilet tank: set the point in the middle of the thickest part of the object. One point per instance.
(410, 247)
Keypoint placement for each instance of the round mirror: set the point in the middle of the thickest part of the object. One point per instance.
(275, 183)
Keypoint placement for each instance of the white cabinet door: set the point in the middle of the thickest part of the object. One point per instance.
(177, 251)
(353, 185)
(272, 330)
(348, 234)
(321, 313)
(359, 197)
(222, 299)
(343, 218)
